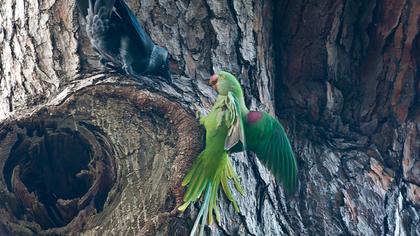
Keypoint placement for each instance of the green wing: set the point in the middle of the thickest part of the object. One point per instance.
(236, 127)
(267, 138)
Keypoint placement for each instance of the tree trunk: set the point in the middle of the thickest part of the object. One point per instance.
(83, 149)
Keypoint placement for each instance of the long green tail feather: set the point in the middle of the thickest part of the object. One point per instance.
(202, 215)
(202, 177)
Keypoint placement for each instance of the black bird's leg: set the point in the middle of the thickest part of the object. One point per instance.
(102, 60)
(107, 64)
(128, 69)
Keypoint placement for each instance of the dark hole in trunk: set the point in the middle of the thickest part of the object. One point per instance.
(51, 166)
(56, 170)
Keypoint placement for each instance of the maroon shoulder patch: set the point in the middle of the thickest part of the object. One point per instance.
(253, 117)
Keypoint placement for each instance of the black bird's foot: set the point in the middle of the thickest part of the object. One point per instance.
(146, 81)
(128, 70)
(109, 65)
(103, 61)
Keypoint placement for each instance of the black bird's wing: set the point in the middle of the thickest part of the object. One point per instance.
(104, 5)
(100, 29)
(95, 6)
(143, 41)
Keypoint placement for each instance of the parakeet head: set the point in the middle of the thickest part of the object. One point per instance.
(224, 82)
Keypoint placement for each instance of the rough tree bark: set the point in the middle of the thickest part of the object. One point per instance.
(342, 76)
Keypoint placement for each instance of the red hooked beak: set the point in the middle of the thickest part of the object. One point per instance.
(213, 81)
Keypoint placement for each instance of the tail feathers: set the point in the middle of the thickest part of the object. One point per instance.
(206, 211)
(197, 180)
(201, 178)
(202, 215)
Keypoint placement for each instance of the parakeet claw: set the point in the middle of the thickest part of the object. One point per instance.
(199, 115)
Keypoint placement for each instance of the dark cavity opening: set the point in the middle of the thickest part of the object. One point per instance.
(55, 172)
(50, 167)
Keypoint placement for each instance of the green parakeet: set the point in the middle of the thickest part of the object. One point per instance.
(231, 127)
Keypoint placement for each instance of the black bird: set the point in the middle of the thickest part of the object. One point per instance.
(116, 34)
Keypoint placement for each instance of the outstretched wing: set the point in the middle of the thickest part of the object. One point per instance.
(103, 5)
(267, 138)
(97, 26)
(145, 44)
